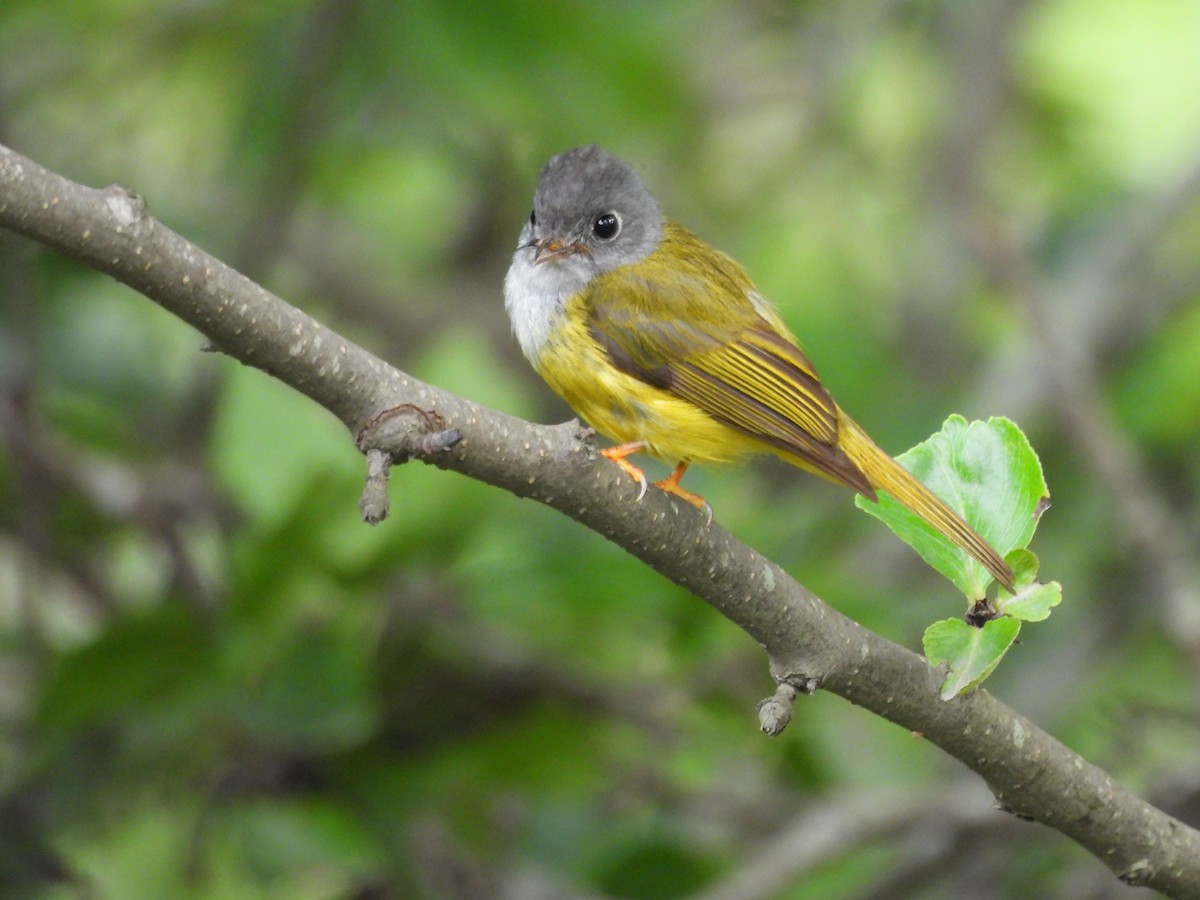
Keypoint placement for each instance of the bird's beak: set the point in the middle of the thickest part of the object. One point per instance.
(549, 248)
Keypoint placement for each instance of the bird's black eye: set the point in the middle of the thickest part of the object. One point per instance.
(533, 219)
(606, 226)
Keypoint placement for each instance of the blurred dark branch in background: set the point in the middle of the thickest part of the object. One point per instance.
(1104, 300)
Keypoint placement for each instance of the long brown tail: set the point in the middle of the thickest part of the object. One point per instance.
(886, 474)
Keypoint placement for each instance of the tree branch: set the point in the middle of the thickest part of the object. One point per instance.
(816, 836)
(810, 645)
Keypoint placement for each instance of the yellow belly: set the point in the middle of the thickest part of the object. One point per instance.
(627, 409)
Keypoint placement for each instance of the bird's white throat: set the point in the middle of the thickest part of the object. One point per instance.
(535, 295)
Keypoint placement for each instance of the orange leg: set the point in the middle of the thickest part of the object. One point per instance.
(617, 454)
(670, 485)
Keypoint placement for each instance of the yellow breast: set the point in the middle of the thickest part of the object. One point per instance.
(625, 408)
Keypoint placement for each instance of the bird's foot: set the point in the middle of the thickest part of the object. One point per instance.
(670, 485)
(617, 454)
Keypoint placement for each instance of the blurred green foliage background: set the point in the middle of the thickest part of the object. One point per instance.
(216, 682)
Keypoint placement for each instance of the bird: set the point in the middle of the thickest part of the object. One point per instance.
(662, 343)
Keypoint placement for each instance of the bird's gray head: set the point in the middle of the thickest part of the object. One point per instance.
(592, 207)
(591, 214)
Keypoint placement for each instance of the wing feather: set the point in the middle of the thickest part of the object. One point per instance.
(733, 362)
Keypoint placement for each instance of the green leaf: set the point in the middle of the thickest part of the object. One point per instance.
(315, 695)
(1024, 564)
(278, 835)
(1032, 603)
(970, 653)
(136, 669)
(988, 473)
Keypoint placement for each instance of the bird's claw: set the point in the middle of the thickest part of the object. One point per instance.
(668, 485)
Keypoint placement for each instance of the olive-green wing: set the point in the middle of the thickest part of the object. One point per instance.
(727, 358)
